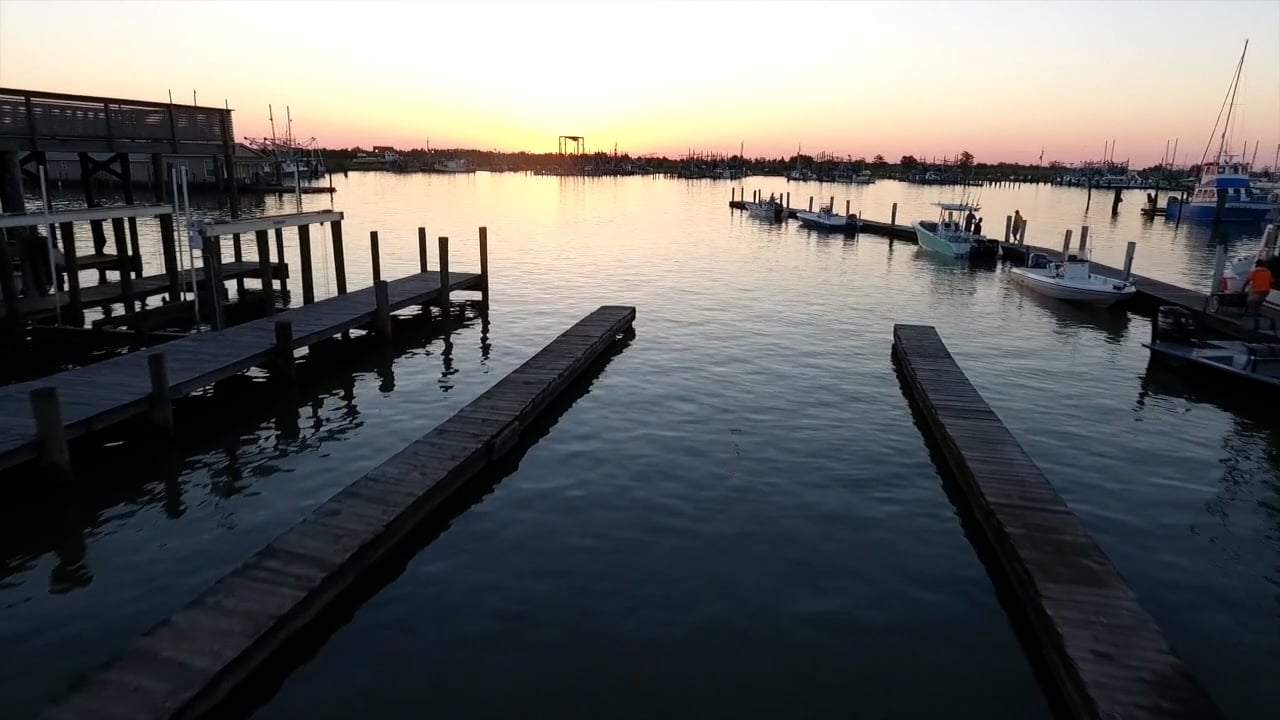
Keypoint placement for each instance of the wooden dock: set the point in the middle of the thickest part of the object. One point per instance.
(1106, 656)
(194, 662)
(96, 396)
(875, 227)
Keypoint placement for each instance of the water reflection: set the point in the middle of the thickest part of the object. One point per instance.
(229, 435)
(1112, 323)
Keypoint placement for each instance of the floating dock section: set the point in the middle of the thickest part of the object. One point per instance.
(194, 661)
(1106, 656)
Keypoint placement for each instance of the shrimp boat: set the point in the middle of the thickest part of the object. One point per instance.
(771, 209)
(827, 219)
(1071, 280)
(1227, 176)
(947, 235)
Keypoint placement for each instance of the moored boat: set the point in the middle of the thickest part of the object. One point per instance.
(826, 219)
(771, 209)
(947, 235)
(1251, 366)
(1071, 280)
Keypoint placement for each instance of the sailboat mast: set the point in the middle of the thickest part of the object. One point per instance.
(272, 117)
(1235, 86)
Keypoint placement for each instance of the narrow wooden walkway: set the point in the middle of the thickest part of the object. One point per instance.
(99, 395)
(193, 661)
(875, 227)
(1105, 654)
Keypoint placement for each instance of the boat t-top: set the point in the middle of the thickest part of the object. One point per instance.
(951, 234)
(771, 209)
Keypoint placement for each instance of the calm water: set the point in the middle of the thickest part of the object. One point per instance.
(739, 518)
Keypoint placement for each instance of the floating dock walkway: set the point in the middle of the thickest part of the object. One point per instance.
(193, 662)
(1106, 656)
(93, 397)
(875, 227)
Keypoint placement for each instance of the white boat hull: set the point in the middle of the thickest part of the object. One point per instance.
(826, 222)
(1099, 291)
(931, 241)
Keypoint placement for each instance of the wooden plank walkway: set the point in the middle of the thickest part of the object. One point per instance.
(875, 227)
(1105, 654)
(189, 664)
(111, 293)
(99, 395)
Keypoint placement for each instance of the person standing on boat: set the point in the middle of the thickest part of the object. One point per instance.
(968, 222)
(1018, 222)
(1258, 286)
(977, 228)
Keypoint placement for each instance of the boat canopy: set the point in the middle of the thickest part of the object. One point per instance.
(959, 207)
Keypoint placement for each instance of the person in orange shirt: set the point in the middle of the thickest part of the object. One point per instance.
(1258, 285)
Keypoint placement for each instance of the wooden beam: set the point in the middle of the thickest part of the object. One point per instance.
(339, 264)
(304, 254)
(264, 265)
(71, 267)
(21, 220)
(268, 222)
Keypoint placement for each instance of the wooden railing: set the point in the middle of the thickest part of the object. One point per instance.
(35, 116)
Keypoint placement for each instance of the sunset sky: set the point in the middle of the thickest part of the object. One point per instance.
(1000, 79)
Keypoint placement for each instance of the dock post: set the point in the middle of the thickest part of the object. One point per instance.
(264, 271)
(1115, 202)
(732, 194)
(339, 264)
(1066, 245)
(237, 254)
(284, 349)
(73, 270)
(484, 269)
(893, 215)
(1022, 233)
(382, 300)
(846, 206)
(1128, 258)
(832, 204)
(375, 258)
(422, 249)
(125, 268)
(444, 275)
(304, 255)
(169, 249)
(810, 203)
(1008, 227)
(284, 278)
(1084, 238)
(788, 201)
(161, 402)
(55, 456)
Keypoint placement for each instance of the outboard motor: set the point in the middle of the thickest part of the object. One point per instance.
(1173, 324)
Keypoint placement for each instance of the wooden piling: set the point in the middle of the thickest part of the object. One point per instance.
(125, 266)
(1008, 227)
(339, 265)
(284, 281)
(160, 399)
(1022, 233)
(9, 290)
(444, 274)
(788, 200)
(810, 203)
(211, 250)
(237, 254)
(484, 269)
(1084, 239)
(1115, 202)
(846, 207)
(893, 215)
(1066, 245)
(169, 249)
(382, 302)
(732, 196)
(422, 248)
(264, 269)
(72, 267)
(304, 255)
(1128, 259)
(832, 204)
(55, 455)
(284, 350)
(375, 256)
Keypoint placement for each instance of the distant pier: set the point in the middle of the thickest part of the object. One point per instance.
(1106, 656)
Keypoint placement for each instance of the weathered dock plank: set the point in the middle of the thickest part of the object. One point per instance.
(190, 664)
(1106, 656)
(96, 396)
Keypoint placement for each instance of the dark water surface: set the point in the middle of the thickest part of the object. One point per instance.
(738, 518)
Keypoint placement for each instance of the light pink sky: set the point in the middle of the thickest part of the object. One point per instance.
(1000, 79)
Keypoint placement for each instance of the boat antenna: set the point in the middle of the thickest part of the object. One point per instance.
(1227, 103)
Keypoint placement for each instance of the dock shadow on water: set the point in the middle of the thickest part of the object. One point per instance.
(1006, 595)
(235, 432)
